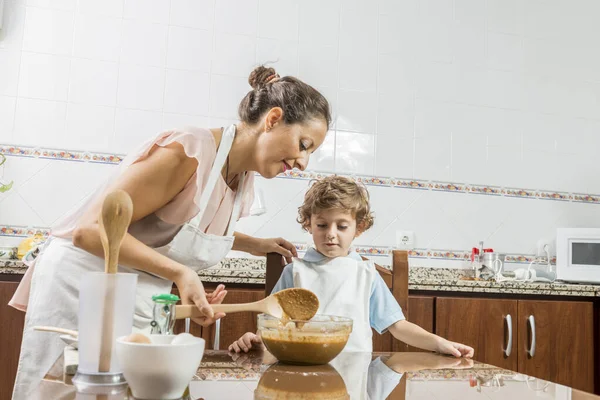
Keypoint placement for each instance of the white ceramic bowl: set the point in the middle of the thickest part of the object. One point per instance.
(159, 370)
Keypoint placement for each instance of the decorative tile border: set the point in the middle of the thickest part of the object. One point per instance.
(63, 155)
(410, 184)
(449, 255)
(485, 190)
(453, 187)
(448, 187)
(373, 180)
(585, 198)
(22, 231)
(523, 193)
(558, 196)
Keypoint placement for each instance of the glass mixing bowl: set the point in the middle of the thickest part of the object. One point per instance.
(313, 342)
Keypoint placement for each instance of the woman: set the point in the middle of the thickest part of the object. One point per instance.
(200, 174)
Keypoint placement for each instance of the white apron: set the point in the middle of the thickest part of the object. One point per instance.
(54, 293)
(191, 246)
(343, 286)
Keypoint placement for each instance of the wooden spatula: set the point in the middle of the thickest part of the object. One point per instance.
(114, 220)
(295, 303)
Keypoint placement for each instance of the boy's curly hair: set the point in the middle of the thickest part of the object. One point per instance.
(339, 193)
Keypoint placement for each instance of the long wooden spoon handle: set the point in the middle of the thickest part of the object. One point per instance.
(191, 311)
(57, 330)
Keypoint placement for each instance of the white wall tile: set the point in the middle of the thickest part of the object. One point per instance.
(44, 76)
(358, 73)
(7, 118)
(107, 8)
(503, 127)
(394, 156)
(10, 62)
(281, 54)
(226, 92)
(15, 211)
(48, 31)
(436, 81)
(505, 16)
(189, 49)
(470, 13)
(11, 34)
(90, 127)
(396, 114)
(396, 34)
(156, 11)
(134, 127)
(504, 166)
(279, 19)
(318, 64)
(144, 43)
(65, 5)
(40, 122)
(236, 16)
(505, 51)
(468, 45)
(97, 37)
(433, 158)
(93, 82)
(433, 119)
(357, 111)
(323, 159)
(51, 195)
(178, 121)
(222, 122)
(20, 170)
(319, 22)
(234, 55)
(198, 14)
(469, 158)
(141, 87)
(186, 92)
(354, 153)
(419, 214)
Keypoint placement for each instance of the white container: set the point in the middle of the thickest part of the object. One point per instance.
(92, 298)
(159, 370)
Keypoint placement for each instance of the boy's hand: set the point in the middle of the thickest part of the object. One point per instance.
(247, 342)
(455, 349)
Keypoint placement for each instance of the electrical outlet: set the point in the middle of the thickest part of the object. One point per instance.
(541, 245)
(405, 240)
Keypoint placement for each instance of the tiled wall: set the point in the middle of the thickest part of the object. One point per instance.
(492, 92)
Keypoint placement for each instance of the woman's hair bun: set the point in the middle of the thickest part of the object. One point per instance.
(260, 76)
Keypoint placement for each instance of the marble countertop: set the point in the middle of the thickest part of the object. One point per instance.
(390, 375)
(252, 271)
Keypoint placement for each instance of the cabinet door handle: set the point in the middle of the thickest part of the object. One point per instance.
(531, 322)
(508, 349)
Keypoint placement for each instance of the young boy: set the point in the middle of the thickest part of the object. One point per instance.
(335, 211)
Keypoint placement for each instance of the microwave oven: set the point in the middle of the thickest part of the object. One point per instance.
(578, 255)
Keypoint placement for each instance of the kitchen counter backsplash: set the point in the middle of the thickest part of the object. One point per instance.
(252, 271)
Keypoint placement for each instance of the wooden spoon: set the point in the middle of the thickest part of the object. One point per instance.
(57, 330)
(295, 303)
(114, 220)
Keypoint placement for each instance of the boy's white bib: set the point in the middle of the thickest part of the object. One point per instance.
(343, 286)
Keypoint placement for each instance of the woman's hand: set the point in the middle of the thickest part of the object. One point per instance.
(191, 291)
(275, 245)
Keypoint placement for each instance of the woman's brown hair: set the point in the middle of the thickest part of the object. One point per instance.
(299, 101)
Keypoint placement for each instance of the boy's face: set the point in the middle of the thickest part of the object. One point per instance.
(333, 232)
